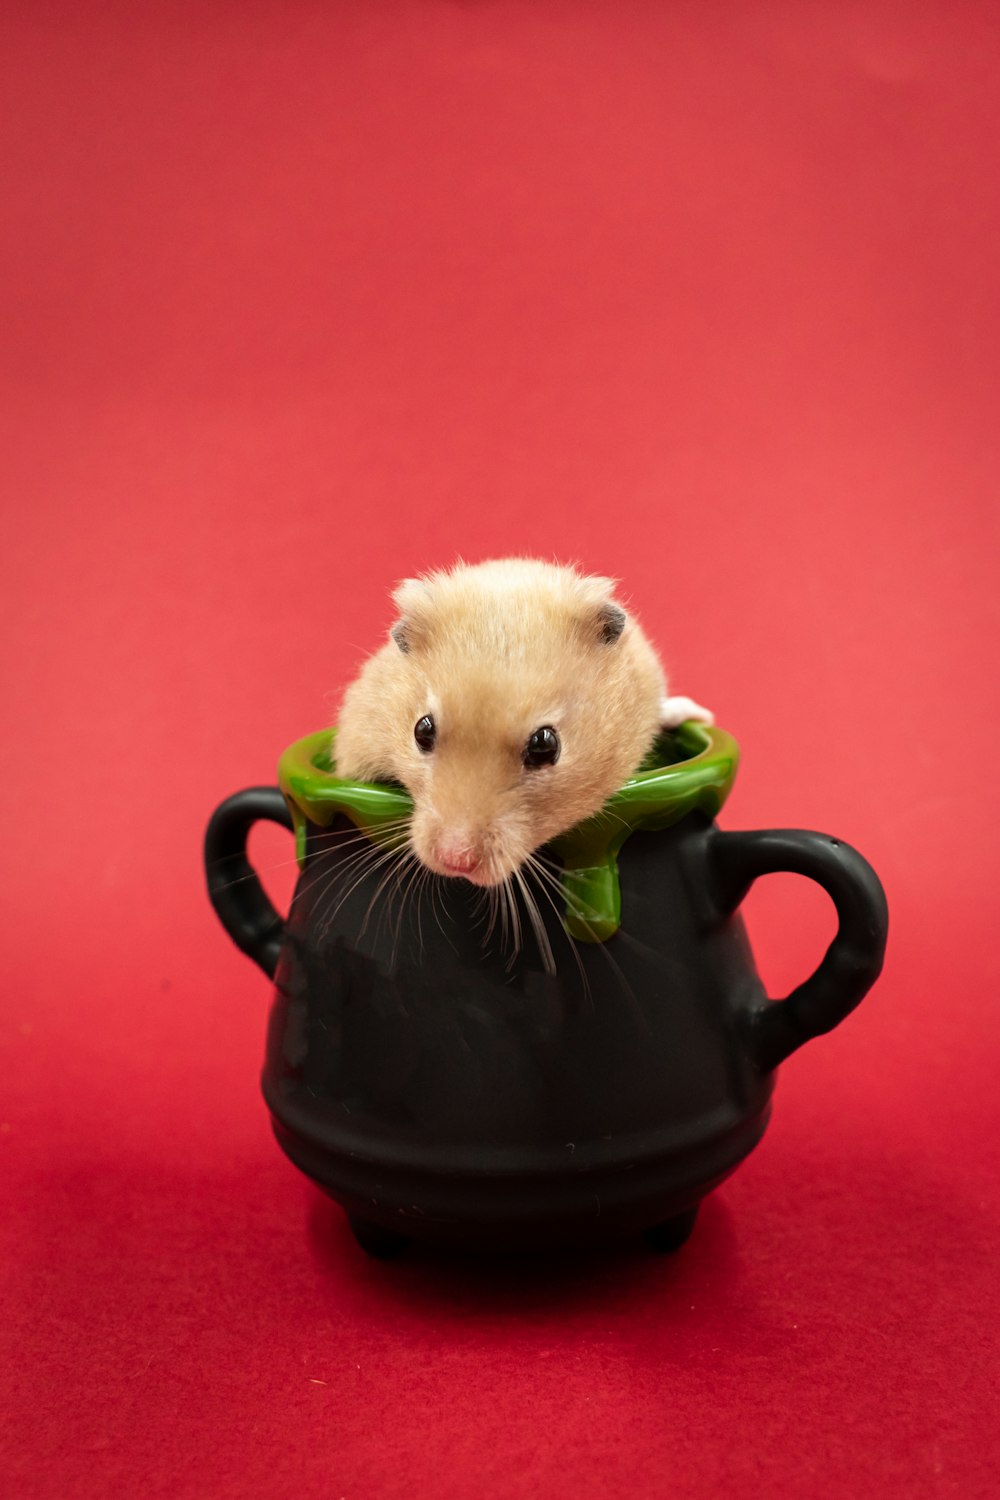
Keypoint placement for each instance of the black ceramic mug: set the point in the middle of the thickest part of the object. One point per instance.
(447, 1079)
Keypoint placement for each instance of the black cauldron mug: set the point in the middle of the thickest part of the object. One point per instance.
(448, 1079)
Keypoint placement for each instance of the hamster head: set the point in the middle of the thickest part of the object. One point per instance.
(512, 699)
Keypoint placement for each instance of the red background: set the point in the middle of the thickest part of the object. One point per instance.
(299, 299)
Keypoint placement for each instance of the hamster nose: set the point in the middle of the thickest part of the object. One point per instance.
(457, 859)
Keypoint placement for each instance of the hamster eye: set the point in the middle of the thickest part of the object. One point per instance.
(425, 733)
(542, 748)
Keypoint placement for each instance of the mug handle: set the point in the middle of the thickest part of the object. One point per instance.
(234, 887)
(853, 960)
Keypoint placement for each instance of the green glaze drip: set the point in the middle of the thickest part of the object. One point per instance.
(692, 770)
(689, 770)
(315, 795)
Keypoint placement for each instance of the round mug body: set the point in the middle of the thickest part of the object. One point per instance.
(425, 1068)
(455, 1066)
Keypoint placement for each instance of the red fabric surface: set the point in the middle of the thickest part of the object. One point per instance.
(299, 299)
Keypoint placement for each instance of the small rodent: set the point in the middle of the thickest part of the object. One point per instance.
(511, 700)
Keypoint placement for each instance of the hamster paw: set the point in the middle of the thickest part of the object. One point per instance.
(674, 711)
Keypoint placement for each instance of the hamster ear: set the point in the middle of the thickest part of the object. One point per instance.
(409, 599)
(611, 621)
(604, 619)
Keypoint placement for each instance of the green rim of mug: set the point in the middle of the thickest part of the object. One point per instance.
(691, 769)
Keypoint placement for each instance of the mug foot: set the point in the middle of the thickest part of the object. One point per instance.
(376, 1241)
(671, 1234)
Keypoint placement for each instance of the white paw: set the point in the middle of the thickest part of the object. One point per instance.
(674, 711)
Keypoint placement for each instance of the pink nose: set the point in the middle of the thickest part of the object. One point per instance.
(457, 859)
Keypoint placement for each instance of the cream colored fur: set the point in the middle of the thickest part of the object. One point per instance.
(494, 652)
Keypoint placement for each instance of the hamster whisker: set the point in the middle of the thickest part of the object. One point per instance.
(283, 864)
(357, 835)
(368, 847)
(360, 843)
(515, 918)
(500, 907)
(483, 908)
(479, 905)
(331, 881)
(487, 908)
(421, 882)
(403, 879)
(394, 872)
(434, 886)
(605, 812)
(358, 857)
(348, 829)
(340, 872)
(608, 957)
(369, 866)
(414, 886)
(552, 883)
(535, 917)
(403, 893)
(421, 886)
(327, 871)
(497, 929)
(359, 840)
(255, 874)
(391, 884)
(343, 841)
(558, 905)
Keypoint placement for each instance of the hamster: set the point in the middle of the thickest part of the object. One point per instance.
(511, 700)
